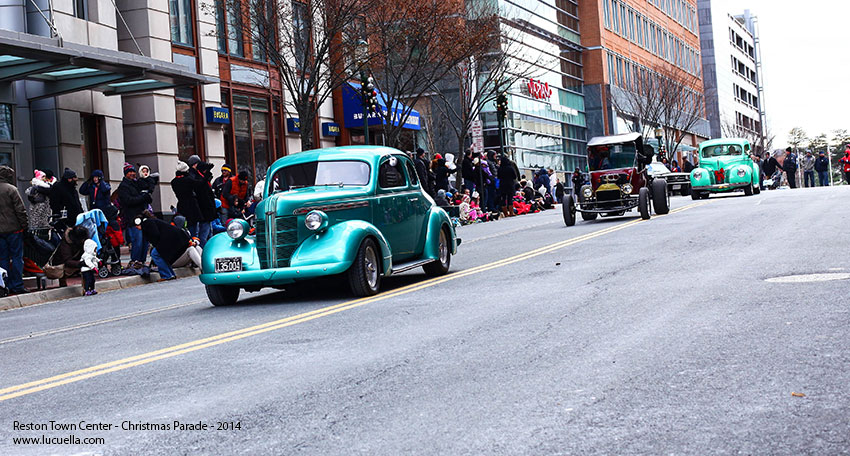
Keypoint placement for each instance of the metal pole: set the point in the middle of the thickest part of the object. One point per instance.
(501, 138)
(363, 80)
(829, 158)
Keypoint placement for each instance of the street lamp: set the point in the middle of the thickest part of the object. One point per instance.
(659, 133)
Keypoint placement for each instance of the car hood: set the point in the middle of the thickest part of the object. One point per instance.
(723, 162)
(287, 203)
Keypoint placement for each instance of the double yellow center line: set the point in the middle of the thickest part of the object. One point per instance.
(175, 350)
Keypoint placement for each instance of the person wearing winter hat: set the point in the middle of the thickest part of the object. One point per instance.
(64, 199)
(147, 179)
(169, 244)
(133, 198)
(187, 200)
(99, 191)
(205, 197)
(218, 183)
(13, 224)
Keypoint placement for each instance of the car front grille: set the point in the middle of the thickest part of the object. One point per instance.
(275, 247)
(607, 195)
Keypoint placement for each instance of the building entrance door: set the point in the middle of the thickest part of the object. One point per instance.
(91, 127)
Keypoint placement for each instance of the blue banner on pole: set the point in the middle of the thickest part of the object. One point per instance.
(352, 107)
(330, 129)
(293, 125)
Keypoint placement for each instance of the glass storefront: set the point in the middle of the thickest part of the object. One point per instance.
(250, 138)
(545, 126)
(184, 102)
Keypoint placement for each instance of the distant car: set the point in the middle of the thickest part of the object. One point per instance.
(676, 182)
(355, 211)
(618, 181)
(724, 166)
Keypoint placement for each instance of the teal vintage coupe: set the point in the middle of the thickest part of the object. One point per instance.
(724, 166)
(356, 211)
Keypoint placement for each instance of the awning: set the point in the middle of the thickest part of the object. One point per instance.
(352, 108)
(71, 67)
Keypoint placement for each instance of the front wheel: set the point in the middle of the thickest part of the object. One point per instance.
(364, 275)
(660, 199)
(222, 295)
(748, 190)
(569, 210)
(643, 203)
(695, 195)
(441, 265)
(756, 190)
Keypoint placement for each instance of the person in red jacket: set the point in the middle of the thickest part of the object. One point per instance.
(234, 194)
(845, 164)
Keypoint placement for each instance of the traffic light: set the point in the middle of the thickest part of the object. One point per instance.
(368, 94)
(502, 106)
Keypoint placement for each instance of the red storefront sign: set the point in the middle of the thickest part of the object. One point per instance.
(539, 90)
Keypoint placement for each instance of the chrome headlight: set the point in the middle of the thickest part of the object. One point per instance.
(627, 189)
(237, 229)
(587, 192)
(316, 221)
(741, 172)
(697, 174)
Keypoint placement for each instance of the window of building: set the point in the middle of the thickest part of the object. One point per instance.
(235, 46)
(251, 132)
(180, 13)
(184, 102)
(81, 9)
(606, 13)
(7, 131)
(615, 17)
(301, 23)
(260, 38)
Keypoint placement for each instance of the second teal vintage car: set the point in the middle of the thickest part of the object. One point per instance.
(356, 211)
(724, 166)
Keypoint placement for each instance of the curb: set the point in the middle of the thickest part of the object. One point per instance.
(75, 291)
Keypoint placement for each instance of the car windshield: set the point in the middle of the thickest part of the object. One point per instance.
(611, 156)
(657, 168)
(720, 150)
(343, 172)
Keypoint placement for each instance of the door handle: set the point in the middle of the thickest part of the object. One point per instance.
(413, 199)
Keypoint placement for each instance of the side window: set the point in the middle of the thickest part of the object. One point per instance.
(414, 179)
(390, 176)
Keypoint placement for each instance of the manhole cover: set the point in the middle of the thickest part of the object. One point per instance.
(804, 278)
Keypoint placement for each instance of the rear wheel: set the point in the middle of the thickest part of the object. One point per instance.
(364, 275)
(643, 203)
(441, 265)
(748, 190)
(660, 200)
(569, 210)
(222, 295)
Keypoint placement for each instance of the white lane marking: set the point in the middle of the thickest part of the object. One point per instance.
(806, 278)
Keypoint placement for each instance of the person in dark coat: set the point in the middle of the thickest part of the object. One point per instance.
(206, 200)
(578, 180)
(467, 171)
(134, 199)
(441, 175)
(822, 168)
(13, 224)
(169, 243)
(148, 180)
(184, 189)
(507, 182)
(64, 197)
(98, 191)
(422, 171)
(790, 167)
(218, 183)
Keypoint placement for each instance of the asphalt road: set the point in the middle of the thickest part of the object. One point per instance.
(613, 336)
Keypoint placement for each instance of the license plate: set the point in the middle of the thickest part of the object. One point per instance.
(228, 264)
(677, 187)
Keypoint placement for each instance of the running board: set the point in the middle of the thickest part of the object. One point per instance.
(401, 267)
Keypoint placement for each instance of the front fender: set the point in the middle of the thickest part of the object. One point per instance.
(734, 178)
(704, 180)
(339, 244)
(223, 246)
(437, 220)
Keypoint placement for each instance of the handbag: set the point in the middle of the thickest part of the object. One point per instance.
(53, 271)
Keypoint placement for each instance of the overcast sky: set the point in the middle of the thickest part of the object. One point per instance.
(806, 63)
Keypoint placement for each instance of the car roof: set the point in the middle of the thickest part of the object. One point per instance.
(615, 139)
(714, 142)
(366, 153)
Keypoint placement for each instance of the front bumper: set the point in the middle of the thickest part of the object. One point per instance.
(272, 277)
(604, 207)
(721, 187)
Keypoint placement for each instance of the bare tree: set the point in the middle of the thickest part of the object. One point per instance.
(664, 97)
(478, 79)
(796, 137)
(419, 43)
(310, 44)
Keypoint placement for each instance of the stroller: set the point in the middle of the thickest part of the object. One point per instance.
(108, 253)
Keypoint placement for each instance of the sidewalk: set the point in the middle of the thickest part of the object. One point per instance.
(75, 287)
